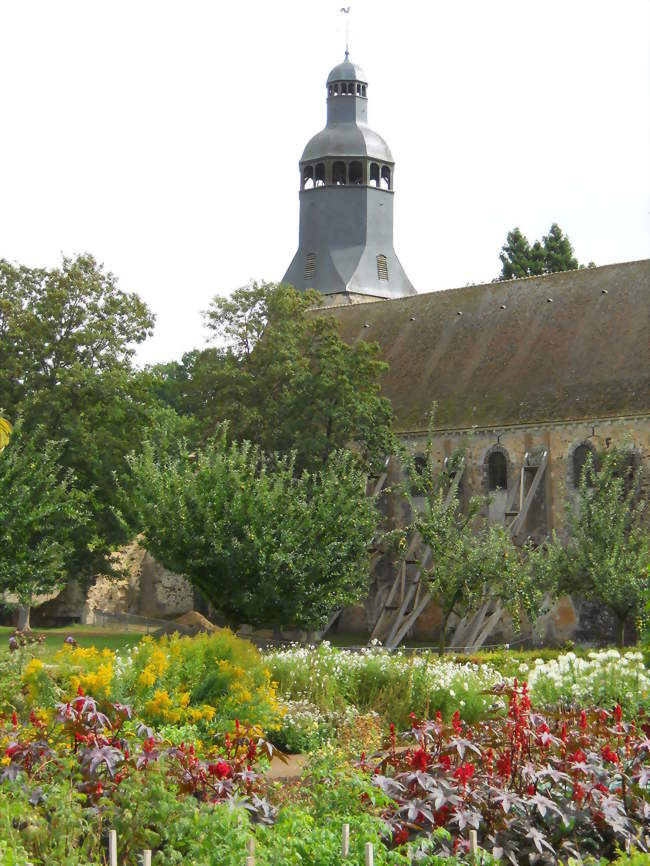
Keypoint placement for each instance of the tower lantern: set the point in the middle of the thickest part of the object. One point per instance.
(347, 177)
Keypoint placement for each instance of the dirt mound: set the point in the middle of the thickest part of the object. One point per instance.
(195, 622)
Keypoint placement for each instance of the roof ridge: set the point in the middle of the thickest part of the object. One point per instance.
(489, 283)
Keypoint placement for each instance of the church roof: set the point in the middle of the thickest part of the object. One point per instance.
(561, 347)
(347, 71)
(349, 140)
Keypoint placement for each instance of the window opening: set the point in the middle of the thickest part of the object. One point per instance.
(363, 89)
(319, 176)
(336, 90)
(374, 174)
(310, 265)
(497, 471)
(339, 174)
(308, 177)
(382, 267)
(356, 172)
(358, 90)
(385, 177)
(580, 456)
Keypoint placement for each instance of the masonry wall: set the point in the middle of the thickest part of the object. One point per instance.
(570, 618)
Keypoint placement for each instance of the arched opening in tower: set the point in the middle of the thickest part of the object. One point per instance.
(385, 177)
(339, 175)
(308, 177)
(374, 174)
(320, 174)
(356, 173)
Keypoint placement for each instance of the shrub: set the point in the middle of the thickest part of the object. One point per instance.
(208, 680)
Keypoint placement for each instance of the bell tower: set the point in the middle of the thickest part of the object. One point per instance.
(347, 186)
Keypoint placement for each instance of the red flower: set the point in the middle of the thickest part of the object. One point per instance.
(618, 712)
(456, 722)
(464, 773)
(583, 720)
(445, 762)
(504, 766)
(221, 769)
(442, 816)
(578, 757)
(14, 719)
(400, 836)
(608, 755)
(419, 760)
(578, 793)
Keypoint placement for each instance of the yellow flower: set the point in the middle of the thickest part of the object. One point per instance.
(147, 677)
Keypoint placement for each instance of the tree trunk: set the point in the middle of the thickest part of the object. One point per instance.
(442, 640)
(23, 617)
(620, 629)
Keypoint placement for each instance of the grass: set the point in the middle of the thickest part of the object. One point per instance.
(85, 635)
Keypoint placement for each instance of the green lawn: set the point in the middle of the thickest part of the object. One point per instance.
(85, 635)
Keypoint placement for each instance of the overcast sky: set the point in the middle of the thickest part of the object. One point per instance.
(164, 137)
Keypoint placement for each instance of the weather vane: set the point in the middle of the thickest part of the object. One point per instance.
(346, 12)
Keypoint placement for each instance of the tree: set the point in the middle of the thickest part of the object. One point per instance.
(608, 553)
(67, 337)
(264, 544)
(475, 571)
(40, 509)
(284, 379)
(552, 254)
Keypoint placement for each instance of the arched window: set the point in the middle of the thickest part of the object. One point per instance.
(385, 177)
(580, 455)
(308, 177)
(329, 90)
(374, 174)
(336, 90)
(339, 176)
(319, 177)
(358, 90)
(418, 474)
(363, 89)
(497, 471)
(356, 173)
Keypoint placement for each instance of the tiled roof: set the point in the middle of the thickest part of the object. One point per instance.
(563, 346)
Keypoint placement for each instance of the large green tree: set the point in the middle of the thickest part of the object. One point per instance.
(264, 544)
(607, 557)
(40, 512)
(67, 336)
(521, 259)
(283, 378)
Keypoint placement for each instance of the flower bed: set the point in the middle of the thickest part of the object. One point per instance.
(392, 684)
(536, 788)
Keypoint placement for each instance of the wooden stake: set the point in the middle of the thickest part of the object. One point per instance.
(250, 861)
(112, 847)
(250, 847)
(345, 840)
(370, 856)
(473, 841)
(146, 857)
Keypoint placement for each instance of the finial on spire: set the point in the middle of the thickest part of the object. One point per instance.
(346, 12)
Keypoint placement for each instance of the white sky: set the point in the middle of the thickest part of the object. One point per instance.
(164, 137)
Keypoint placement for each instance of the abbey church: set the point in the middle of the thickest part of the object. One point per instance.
(528, 375)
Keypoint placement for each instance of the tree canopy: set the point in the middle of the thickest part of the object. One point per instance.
(553, 253)
(607, 557)
(282, 378)
(264, 544)
(67, 337)
(40, 511)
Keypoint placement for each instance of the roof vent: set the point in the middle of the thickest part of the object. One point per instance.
(603, 291)
(382, 267)
(459, 313)
(412, 319)
(503, 306)
(366, 325)
(549, 300)
(310, 265)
